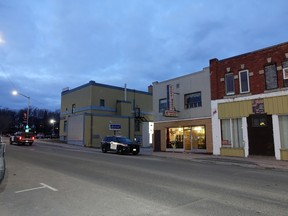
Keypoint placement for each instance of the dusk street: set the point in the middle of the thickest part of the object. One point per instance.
(61, 180)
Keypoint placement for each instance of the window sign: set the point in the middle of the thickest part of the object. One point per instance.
(258, 106)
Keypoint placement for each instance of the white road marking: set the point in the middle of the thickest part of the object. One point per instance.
(37, 188)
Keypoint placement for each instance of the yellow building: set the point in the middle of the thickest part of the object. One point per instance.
(93, 110)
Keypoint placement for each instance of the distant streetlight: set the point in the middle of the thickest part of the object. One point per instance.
(52, 121)
(28, 105)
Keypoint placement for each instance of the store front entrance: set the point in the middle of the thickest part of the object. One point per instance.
(186, 138)
(260, 135)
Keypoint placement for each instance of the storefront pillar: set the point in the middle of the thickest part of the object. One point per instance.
(276, 135)
(245, 136)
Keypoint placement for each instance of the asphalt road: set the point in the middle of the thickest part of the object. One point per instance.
(60, 181)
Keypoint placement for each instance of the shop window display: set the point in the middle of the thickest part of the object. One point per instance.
(232, 133)
(190, 137)
(174, 138)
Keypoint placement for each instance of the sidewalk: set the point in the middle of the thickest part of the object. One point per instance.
(266, 162)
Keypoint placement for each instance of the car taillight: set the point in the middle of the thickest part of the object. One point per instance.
(20, 138)
(33, 138)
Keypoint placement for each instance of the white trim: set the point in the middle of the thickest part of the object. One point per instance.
(284, 92)
(276, 135)
(216, 128)
(245, 136)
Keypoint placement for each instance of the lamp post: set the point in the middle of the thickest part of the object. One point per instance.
(52, 121)
(28, 105)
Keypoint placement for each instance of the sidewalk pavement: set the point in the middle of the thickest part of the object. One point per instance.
(266, 162)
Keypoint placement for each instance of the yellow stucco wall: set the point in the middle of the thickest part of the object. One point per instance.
(238, 109)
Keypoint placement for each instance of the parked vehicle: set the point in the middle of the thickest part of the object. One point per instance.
(22, 138)
(40, 136)
(119, 144)
(2, 160)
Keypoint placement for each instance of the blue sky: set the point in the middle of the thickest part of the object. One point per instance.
(48, 45)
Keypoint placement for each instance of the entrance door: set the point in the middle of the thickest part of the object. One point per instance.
(260, 135)
(157, 140)
(187, 138)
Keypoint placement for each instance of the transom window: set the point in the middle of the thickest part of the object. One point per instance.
(193, 100)
(229, 84)
(244, 81)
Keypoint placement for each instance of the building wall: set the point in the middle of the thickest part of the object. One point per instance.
(186, 117)
(120, 106)
(254, 62)
(241, 106)
(194, 82)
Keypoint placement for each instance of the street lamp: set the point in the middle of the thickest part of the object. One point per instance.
(52, 121)
(28, 105)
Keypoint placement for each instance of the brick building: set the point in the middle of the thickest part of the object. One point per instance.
(249, 102)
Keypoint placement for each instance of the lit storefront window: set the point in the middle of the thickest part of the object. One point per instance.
(174, 138)
(198, 135)
(187, 138)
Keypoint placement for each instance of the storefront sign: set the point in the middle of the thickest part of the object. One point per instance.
(258, 106)
(114, 126)
(171, 112)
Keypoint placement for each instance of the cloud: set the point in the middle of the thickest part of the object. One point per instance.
(52, 44)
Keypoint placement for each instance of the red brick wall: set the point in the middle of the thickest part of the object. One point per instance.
(253, 62)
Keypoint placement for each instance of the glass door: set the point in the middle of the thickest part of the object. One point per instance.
(187, 138)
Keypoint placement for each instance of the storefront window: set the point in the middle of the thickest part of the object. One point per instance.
(232, 134)
(198, 137)
(188, 138)
(174, 138)
(283, 125)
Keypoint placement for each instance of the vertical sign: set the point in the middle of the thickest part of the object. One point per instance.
(170, 97)
(170, 110)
